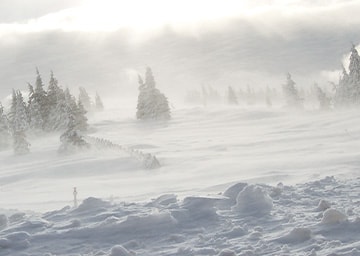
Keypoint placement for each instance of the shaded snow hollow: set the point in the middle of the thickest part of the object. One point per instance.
(289, 222)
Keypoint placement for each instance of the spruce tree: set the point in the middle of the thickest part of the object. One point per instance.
(324, 100)
(12, 111)
(71, 139)
(40, 103)
(268, 97)
(35, 117)
(232, 99)
(152, 104)
(342, 90)
(52, 98)
(85, 99)
(80, 117)
(291, 93)
(98, 103)
(21, 146)
(348, 89)
(5, 137)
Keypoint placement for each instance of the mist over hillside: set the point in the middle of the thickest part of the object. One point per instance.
(255, 51)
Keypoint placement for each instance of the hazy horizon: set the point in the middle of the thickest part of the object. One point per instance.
(103, 45)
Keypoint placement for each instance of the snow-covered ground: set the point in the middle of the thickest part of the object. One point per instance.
(233, 181)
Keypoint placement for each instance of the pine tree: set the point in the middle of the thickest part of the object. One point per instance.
(59, 118)
(80, 117)
(291, 94)
(21, 146)
(35, 117)
(268, 97)
(354, 75)
(85, 99)
(152, 104)
(52, 96)
(71, 139)
(232, 99)
(324, 100)
(348, 90)
(342, 90)
(5, 137)
(98, 103)
(38, 105)
(12, 112)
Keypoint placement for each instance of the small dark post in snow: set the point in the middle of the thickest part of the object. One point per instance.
(75, 198)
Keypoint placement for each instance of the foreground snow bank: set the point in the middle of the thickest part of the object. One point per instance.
(253, 201)
(244, 220)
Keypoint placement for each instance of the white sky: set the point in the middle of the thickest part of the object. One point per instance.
(207, 39)
(108, 15)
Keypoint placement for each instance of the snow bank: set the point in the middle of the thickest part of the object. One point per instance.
(253, 201)
(119, 250)
(16, 240)
(92, 203)
(332, 216)
(231, 194)
(196, 209)
(227, 252)
(323, 205)
(297, 235)
(4, 222)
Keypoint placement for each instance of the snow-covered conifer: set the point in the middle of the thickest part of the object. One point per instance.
(268, 97)
(232, 99)
(12, 111)
(342, 90)
(71, 139)
(98, 103)
(85, 99)
(152, 104)
(324, 100)
(80, 117)
(21, 146)
(35, 117)
(5, 137)
(291, 93)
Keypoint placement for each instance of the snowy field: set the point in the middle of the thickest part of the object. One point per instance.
(232, 181)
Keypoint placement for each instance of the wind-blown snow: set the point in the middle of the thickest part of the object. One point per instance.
(231, 182)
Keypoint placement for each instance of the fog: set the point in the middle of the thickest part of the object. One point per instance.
(104, 45)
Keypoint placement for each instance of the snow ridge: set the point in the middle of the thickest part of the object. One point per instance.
(198, 225)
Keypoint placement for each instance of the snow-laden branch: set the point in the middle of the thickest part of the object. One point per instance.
(148, 160)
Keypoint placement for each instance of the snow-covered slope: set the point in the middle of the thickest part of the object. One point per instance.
(287, 202)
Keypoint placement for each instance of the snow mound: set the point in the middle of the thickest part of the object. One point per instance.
(164, 200)
(92, 203)
(253, 201)
(234, 232)
(230, 196)
(233, 191)
(119, 250)
(332, 216)
(297, 235)
(4, 222)
(227, 252)
(16, 240)
(151, 224)
(323, 205)
(200, 208)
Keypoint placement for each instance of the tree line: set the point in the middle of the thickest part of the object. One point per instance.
(46, 110)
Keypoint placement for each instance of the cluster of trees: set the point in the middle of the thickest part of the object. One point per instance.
(209, 95)
(46, 110)
(152, 104)
(291, 96)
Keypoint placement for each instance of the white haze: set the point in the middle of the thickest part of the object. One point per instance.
(103, 45)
